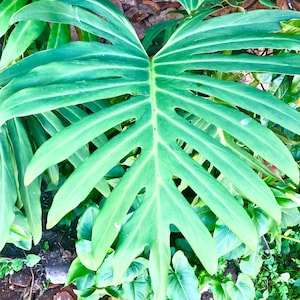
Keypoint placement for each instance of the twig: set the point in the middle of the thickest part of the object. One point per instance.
(32, 283)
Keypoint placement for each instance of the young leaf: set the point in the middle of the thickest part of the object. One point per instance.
(76, 270)
(86, 222)
(31, 260)
(20, 234)
(182, 282)
(84, 252)
(7, 9)
(138, 289)
(251, 265)
(243, 289)
(268, 3)
(291, 26)
(19, 40)
(225, 240)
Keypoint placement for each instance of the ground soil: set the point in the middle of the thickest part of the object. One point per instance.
(31, 283)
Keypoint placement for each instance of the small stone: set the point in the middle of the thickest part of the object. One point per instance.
(20, 278)
(57, 273)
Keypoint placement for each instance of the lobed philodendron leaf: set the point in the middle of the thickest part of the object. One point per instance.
(157, 90)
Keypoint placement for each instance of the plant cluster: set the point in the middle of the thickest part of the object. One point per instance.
(8, 266)
(279, 275)
(174, 163)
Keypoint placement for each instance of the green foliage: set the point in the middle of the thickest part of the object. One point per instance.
(9, 266)
(19, 231)
(182, 282)
(272, 271)
(161, 137)
(16, 38)
(20, 138)
(279, 275)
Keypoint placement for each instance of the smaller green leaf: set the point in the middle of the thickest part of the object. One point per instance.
(243, 289)
(295, 86)
(291, 26)
(261, 221)
(20, 39)
(88, 294)
(20, 234)
(86, 222)
(237, 253)
(137, 290)
(76, 270)
(286, 202)
(218, 290)
(290, 217)
(136, 268)
(86, 284)
(268, 3)
(152, 32)
(31, 260)
(86, 36)
(207, 217)
(7, 9)
(182, 282)
(225, 240)
(104, 275)
(251, 265)
(84, 252)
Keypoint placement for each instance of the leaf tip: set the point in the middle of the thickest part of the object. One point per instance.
(28, 178)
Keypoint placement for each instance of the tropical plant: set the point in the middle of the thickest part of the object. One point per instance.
(164, 124)
(278, 278)
(21, 217)
(9, 266)
(270, 272)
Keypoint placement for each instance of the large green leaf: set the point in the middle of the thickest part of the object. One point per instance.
(30, 195)
(158, 90)
(8, 188)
